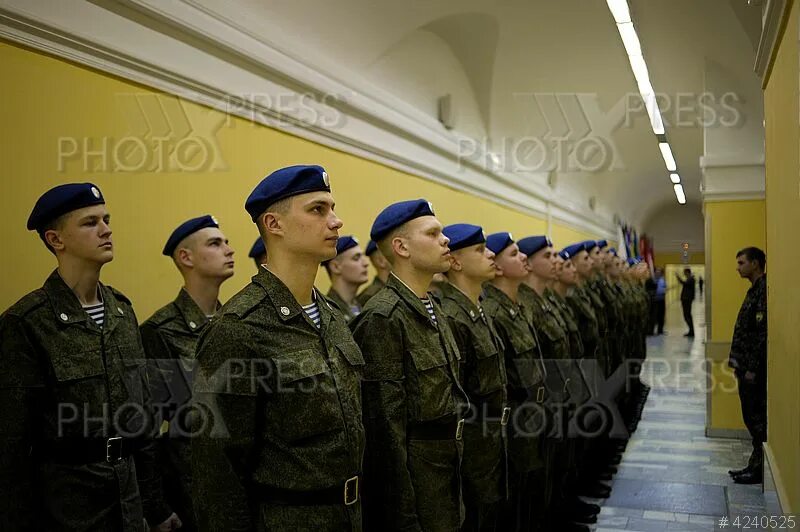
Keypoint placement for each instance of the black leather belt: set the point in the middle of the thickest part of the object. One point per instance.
(437, 430)
(86, 450)
(347, 494)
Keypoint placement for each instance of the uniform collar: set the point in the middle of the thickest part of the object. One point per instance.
(408, 295)
(286, 306)
(334, 296)
(194, 318)
(452, 292)
(502, 298)
(67, 309)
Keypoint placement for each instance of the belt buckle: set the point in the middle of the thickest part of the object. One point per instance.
(505, 416)
(459, 429)
(540, 394)
(351, 491)
(566, 384)
(116, 441)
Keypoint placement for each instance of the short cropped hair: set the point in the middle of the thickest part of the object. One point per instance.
(754, 254)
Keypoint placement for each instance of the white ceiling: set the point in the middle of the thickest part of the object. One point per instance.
(535, 69)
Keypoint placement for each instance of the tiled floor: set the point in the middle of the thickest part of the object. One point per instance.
(672, 477)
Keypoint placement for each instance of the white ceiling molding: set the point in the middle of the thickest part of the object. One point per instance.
(726, 179)
(372, 123)
(775, 14)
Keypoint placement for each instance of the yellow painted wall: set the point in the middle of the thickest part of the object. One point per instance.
(783, 256)
(730, 226)
(49, 107)
(563, 236)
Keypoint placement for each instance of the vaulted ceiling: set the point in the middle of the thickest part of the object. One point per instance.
(545, 85)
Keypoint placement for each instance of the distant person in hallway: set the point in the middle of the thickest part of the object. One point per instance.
(700, 284)
(748, 358)
(687, 296)
(659, 301)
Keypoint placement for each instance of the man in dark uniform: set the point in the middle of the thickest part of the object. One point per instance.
(528, 489)
(77, 427)
(687, 297)
(482, 375)
(277, 385)
(258, 252)
(748, 359)
(382, 270)
(347, 271)
(202, 255)
(413, 403)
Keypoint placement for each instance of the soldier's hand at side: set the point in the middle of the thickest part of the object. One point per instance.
(749, 376)
(173, 522)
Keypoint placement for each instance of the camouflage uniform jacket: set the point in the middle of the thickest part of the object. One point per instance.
(410, 386)
(586, 320)
(749, 344)
(373, 288)
(282, 408)
(170, 339)
(66, 382)
(343, 307)
(526, 388)
(483, 378)
(577, 388)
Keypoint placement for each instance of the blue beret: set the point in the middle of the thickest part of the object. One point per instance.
(497, 242)
(284, 183)
(531, 244)
(602, 243)
(564, 254)
(589, 245)
(187, 228)
(345, 242)
(574, 249)
(632, 261)
(61, 200)
(612, 251)
(372, 247)
(397, 214)
(463, 235)
(258, 249)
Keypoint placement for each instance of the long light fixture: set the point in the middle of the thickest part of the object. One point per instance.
(679, 193)
(666, 153)
(633, 47)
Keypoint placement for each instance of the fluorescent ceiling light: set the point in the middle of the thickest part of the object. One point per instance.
(679, 193)
(619, 9)
(629, 38)
(651, 104)
(666, 153)
(639, 68)
(675, 178)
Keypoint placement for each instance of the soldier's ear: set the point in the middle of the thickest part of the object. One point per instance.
(400, 247)
(273, 223)
(53, 239)
(184, 256)
(455, 264)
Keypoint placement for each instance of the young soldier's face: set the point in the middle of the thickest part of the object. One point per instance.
(597, 258)
(86, 234)
(311, 226)
(512, 263)
(541, 264)
(583, 263)
(352, 265)
(211, 255)
(745, 267)
(567, 274)
(427, 245)
(477, 262)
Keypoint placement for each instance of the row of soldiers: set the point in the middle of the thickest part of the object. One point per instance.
(479, 383)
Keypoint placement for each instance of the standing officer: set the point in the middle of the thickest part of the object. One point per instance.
(258, 253)
(748, 359)
(482, 376)
(411, 392)
(202, 255)
(687, 297)
(382, 270)
(348, 270)
(77, 423)
(278, 380)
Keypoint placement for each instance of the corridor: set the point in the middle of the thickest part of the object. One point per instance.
(672, 477)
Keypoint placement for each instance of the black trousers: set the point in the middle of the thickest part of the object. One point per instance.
(753, 396)
(659, 311)
(687, 314)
